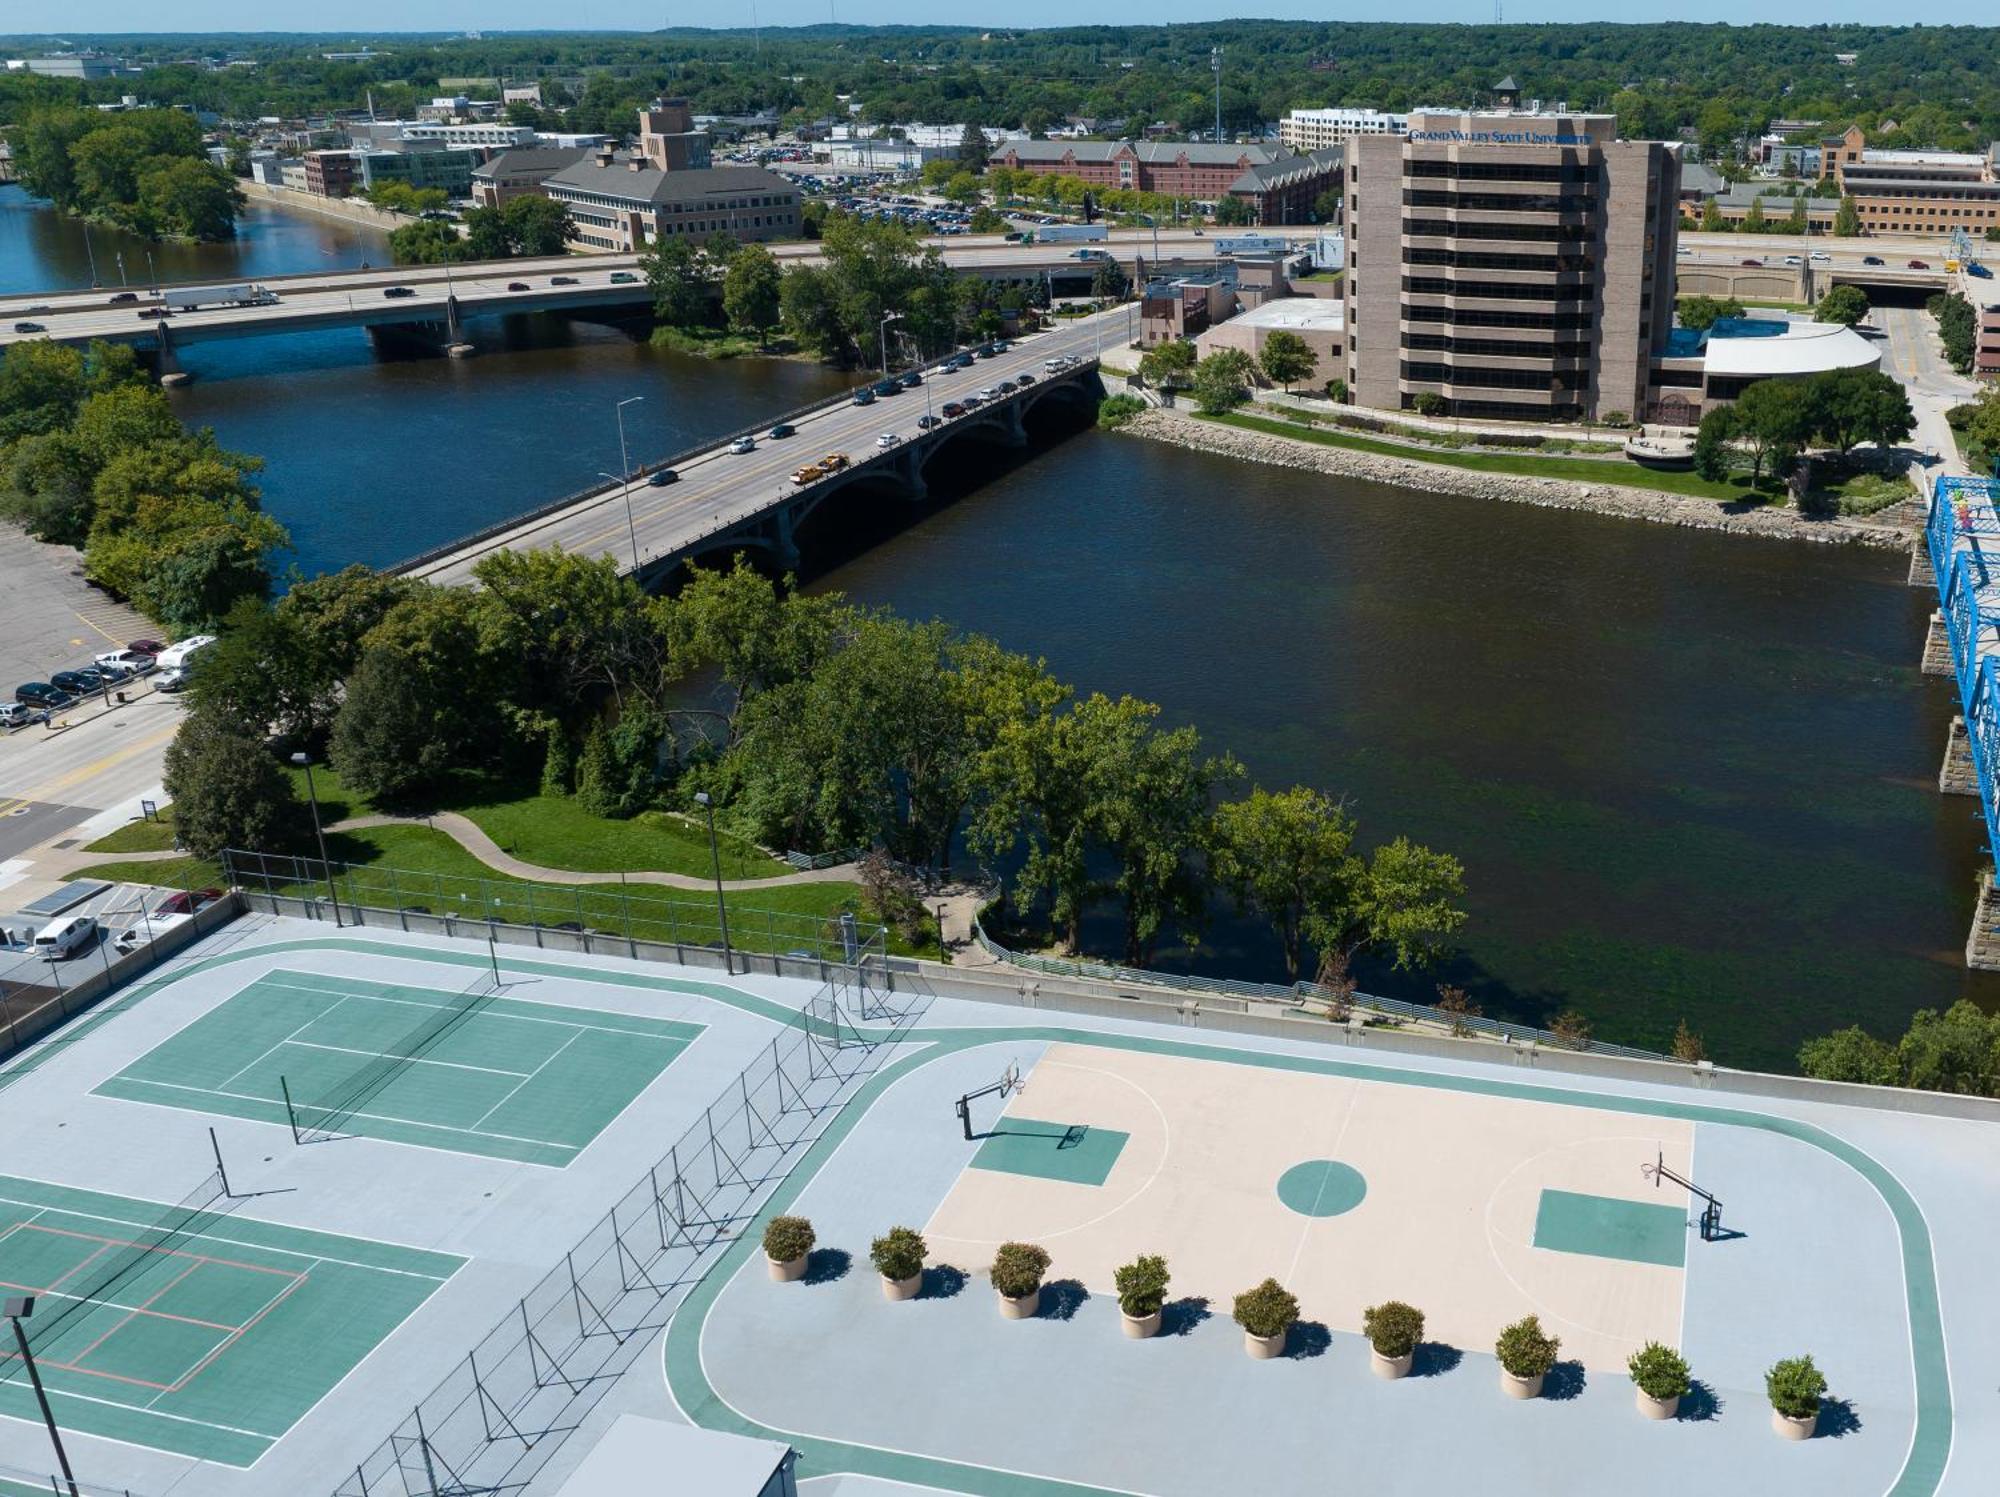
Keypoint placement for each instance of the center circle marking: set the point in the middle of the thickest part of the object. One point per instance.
(1322, 1187)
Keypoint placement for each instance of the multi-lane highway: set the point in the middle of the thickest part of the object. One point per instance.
(362, 297)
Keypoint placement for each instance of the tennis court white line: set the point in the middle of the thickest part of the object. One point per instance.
(406, 1273)
(415, 1060)
(527, 1078)
(578, 1023)
(133, 1408)
(288, 1038)
(373, 1117)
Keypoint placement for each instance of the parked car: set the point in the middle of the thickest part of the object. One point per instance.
(782, 430)
(1871, 259)
(562, 280)
(43, 694)
(112, 674)
(810, 473)
(61, 939)
(743, 444)
(911, 380)
(953, 408)
(173, 678)
(187, 901)
(133, 662)
(659, 478)
(1919, 265)
(397, 293)
(623, 278)
(887, 440)
(517, 285)
(181, 652)
(989, 392)
(119, 298)
(864, 396)
(29, 327)
(145, 646)
(883, 387)
(925, 423)
(76, 683)
(20, 714)
(833, 462)
(1024, 379)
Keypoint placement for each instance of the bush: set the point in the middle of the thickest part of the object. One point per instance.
(1142, 1285)
(1660, 1371)
(788, 1237)
(1795, 1387)
(1268, 1310)
(1525, 1349)
(1428, 403)
(899, 1254)
(1018, 1268)
(227, 789)
(1393, 1328)
(1115, 410)
(1336, 391)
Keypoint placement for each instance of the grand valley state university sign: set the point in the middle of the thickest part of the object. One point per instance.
(1496, 138)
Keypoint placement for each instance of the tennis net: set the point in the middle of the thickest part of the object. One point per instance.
(123, 1260)
(320, 1117)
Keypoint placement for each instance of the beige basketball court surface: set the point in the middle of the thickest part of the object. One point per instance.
(1453, 1188)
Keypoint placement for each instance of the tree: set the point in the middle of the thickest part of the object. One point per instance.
(486, 235)
(619, 770)
(1775, 417)
(1154, 819)
(1329, 206)
(227, 789)
(1282, 856)
(1234, 212)
(756, 636)
(1167, 363)
(753, 291)
(333, 613)
(963, 188)
(1687, 1044)
(1402, 903)
(1845, 305)
(579, 634)
(264, 674)
(1851, 1054)
(1711, 443)
(1753, 218)
(1846, 218)
(972, 147)
(1851, 406)
(1795, 221)
(1219, 380)
(187, 198)
(428, 242)
(1711, 217)
(682, 277)
(1286, 358)
(1956, 1051)
(537, 225)
(1702, 312)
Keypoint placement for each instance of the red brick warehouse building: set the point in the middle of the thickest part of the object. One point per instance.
(1280, 184)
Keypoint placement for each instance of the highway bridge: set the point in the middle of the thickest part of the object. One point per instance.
(724, 501)
(439, 296)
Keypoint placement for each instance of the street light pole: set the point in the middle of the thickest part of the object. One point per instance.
(715, 860)
(625, 467)
(304, 761)
(882, 337)
(90, 255)
(18, 1309)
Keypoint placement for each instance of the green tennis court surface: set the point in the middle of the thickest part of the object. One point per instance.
(476, 1071)
(210, 1339)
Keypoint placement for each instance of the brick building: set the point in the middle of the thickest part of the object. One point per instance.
(1278, 183)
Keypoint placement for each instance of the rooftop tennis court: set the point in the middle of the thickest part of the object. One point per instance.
(188, 1328)
(465, 1068)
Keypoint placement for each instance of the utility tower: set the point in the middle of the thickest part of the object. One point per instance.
(1215, 62)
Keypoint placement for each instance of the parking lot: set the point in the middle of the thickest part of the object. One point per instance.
(50, 618)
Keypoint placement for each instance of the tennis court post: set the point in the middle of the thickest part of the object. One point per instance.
(220, 1169)
(291, 1114)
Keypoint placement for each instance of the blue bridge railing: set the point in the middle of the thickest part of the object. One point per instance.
(1962, 535)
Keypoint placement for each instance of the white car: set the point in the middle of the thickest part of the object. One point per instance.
(173, 678)
(887, 440)
(743, 444)
(987, 392)
(132, 662)
(1791, 259)
(62, 939)
(1820, 257)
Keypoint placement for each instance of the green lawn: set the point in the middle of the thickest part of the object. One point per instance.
(139, 836)
(413, 865)
(1736, 490)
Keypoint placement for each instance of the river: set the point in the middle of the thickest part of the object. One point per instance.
(1690, 775)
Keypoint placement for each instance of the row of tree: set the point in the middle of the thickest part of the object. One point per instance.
(92, 455)
(141, 169)
(1954, 1051)
(1958, 328)
(1221, 381)
(1775, 420)
(835, 726)
(528, 225)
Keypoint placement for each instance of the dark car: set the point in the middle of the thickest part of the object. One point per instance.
(396, 293)
(925, 423)
(1025, 379)
(145, 646)
(886, 387)
(912, 380)
(41, 694)
(119, 298)
(562, 280)
(864, 396)
(782, 430)
(953, 408)
(149, 313)
(187, 901)
(1758, 263)
(76, 683)
(1871, 259)
(985, 350)
(29, 327)
(661, 477)
(517, 285)
(1919, 265)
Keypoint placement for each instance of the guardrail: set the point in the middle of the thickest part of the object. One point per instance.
(1297, 996)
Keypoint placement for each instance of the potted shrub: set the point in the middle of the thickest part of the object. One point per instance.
(1142, 1291)
(787, 1241)
(898, 1257)
(1661, 1375)
(1526, 1354)
(1393, 1330)
(1795, 1387)
(1266, 1313)
(1017, 1278)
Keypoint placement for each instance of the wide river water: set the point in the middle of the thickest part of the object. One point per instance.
(1690, 776)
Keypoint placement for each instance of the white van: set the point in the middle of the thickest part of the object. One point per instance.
(62, 939)
(176, 656)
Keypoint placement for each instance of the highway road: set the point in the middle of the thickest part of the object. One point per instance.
(346, 298)
(718, 489)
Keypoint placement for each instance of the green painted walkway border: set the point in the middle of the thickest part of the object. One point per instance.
(1930, 1444)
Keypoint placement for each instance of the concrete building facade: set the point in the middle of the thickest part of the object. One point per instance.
(1915, 191)
(1515, 263)
(514, 174)
(627, 203)
(1280, 185)
(669, 140)
(1315, 129)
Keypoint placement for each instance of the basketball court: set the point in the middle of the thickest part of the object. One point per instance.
(189, 1328)
(467, 1068)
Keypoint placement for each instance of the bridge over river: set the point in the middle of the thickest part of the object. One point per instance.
(726, 501)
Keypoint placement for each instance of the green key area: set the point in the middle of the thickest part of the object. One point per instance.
(475, 1070)
(201, 1333)
(1607, 1227)
(1074, 1152)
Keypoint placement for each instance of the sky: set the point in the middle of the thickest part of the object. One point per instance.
(109, 16)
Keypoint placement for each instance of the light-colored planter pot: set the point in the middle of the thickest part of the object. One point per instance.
(1521, 1387)
(1263, 1348)
(1027, 1307)
(894, 1289)
(1657, 1408)
(1789, 1428)
(1139, 1327)
(1390, 1367)
(785, 1270)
